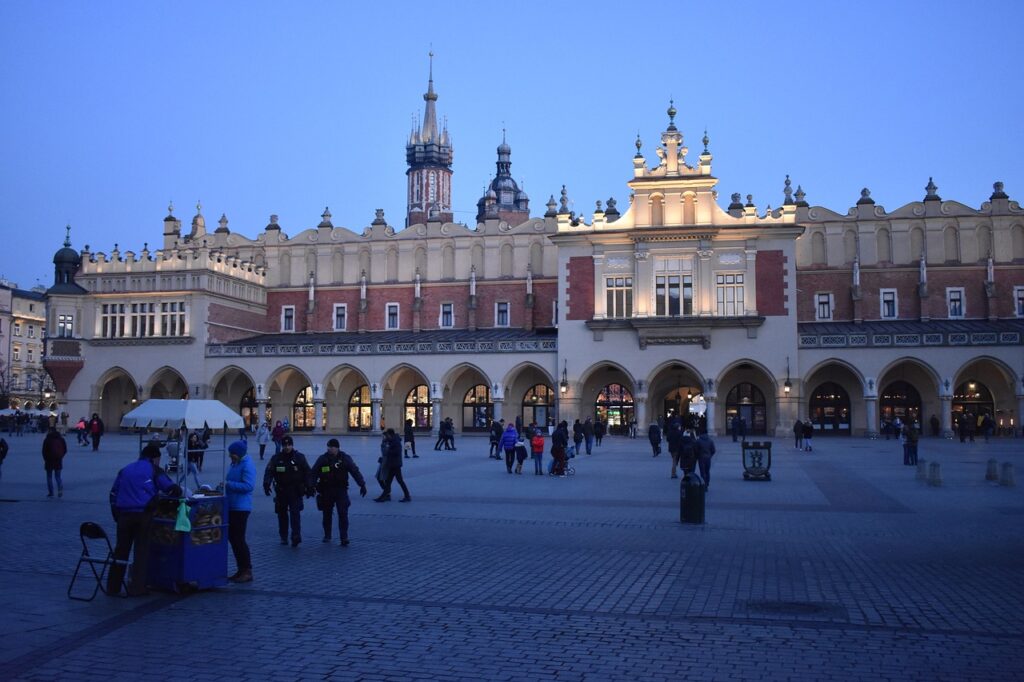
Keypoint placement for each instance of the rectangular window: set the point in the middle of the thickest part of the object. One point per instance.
(17, 328)
(65, 326)
(824, 306)
(31, 331)
(143, 319)
(729, 294)
(172, 318)
(288, 318)
(340, 317)
(554, 313)
(31, 354)
(955, 302)
(447, 318)
(888, 308)
(391, 316)
(619, 297)
(501, 314)
(112, 320)
(16, 353)
(1018, 301)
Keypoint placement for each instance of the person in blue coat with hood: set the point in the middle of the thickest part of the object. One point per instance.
(238, 486)
(508, 444)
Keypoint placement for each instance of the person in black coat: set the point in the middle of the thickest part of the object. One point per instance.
(654, 435)
(410, 439)
(288, 472)
(705, 451)
(497, 429)
(330, 478)
(391, 458)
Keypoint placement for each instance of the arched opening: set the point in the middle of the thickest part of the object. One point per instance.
(538, 405)
(614, 406)
(829, 410)
(900, 399)
(118, 396)
(817, 248)
(849, 246)
(951, 244)
(249, 409)
(304, 410)
(657, 211)
(972, 400)
(505, 259)
(746, 401)
(883, 245)
(360, 409)
(167, 384)
(418, 408)
(285, 388)
(477, 408)
(689, 210)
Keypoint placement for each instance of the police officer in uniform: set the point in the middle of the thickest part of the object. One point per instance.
(330, 477)
(289, 473)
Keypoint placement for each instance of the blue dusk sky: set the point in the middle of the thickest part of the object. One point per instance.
(111, 109)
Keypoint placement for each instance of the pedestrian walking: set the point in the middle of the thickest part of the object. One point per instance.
(577, 437)
(688, 452)
(263, 437)
(450, 434)
(496, 431)
(798, 434)
(537, 450)
(277, 435)
(588, 435)
(560, 437)
(410, 439)
(239, 485)
(734, 427)
(599, 431)
(54, 449)
(654, 435)
(522, 451)
(808, 435)
(508, 445)
(705, 451)
(673, 437)
(910, 446)
(330, 478)
(132, 502)
(95, 431)
(391, 459)
(288, 473)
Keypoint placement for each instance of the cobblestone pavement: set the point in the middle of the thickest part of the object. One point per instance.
(844, 566)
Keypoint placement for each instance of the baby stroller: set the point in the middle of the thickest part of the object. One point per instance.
(560, 462)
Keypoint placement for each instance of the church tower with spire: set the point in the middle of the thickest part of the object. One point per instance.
(429, 155)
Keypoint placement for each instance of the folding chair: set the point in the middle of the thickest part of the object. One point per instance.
(92, 535)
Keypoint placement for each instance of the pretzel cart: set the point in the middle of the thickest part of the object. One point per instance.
(194, 559)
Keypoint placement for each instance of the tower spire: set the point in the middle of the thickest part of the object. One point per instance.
(429, 132)
(429, 155)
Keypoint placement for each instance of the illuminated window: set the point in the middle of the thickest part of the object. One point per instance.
(65, 326)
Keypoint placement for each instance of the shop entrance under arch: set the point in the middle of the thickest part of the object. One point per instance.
(900, 399)
(829, 409)
(747, 401)
(614, 406)
(972, 398)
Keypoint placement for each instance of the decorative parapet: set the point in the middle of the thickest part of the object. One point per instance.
(861, 340)
(381, 348)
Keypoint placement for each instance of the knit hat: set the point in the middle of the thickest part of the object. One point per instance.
(150, 451)
(333, 443)
(239, 447)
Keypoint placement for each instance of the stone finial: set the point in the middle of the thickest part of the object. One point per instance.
(611, 212)
(170, 208)
(997, 191)
(750, 200)
(67, 235)
(930, 194)
(671, 114)
(272, 225)
(736, 204)
(787, 190)
(563, 202)
(639, 143)
(598, 206)
(800, 196)
(865, 197)
(551, 213)
(199, 207)
(706, 140)
(378, 217)
(222, 224)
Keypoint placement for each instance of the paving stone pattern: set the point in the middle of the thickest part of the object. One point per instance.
(843, 567)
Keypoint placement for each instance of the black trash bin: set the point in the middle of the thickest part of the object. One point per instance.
(691, 499)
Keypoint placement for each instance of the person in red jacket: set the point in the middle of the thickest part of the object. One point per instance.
(537, 450)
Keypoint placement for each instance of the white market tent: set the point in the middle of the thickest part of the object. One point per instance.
(173, 414)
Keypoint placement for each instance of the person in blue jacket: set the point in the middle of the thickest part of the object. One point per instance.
(238, 486)
(132, 501)
(508, 444)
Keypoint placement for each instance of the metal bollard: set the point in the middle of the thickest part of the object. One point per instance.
(922, 470)
(1006, 476)
(992, 472)
(935, 474)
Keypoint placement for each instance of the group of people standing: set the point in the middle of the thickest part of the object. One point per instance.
(687, 449)
(803, 435)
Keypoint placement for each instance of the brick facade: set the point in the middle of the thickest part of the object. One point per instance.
(579, 291)
(771, 281)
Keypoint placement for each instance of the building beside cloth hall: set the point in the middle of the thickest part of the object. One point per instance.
(670, 305)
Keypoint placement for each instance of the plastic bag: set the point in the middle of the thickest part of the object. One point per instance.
(183, 524)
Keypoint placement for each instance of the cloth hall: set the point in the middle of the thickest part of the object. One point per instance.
(673, 303)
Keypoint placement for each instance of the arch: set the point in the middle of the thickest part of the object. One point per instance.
(338, 265)
(234, 387)
(537, 259)
(303, 414)
(983, 235)
(512, 375)
(689, 209)
(829, 409)
(339, 383)
(360, 409)
(657, 210)
(395, 385)
(365, 264)
(818, 254)
(519, 381)
(282, 387)
(286, 269)
(418, 408)
(750, 364)
(117, 394)
(505, 258)
(1001, 382)
(420, 260)
(883, 245)
(899, 400)
(538, 405)
(391, 265)
(448, 262)
(917, 243)
(455, 372)
(614, 405)
(476, 259)
(951, 244)
(1017, 238)
(851, 381)
(477, 408)
(823, 365)
(849, 246)
(166, 383)
(223, 372)
(747, 402)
